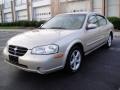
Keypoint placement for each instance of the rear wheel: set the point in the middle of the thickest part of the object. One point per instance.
(109, 41)
(74, 59)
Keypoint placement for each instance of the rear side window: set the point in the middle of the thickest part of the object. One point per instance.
(101, 20)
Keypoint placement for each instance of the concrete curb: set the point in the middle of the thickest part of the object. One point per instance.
(117, 34)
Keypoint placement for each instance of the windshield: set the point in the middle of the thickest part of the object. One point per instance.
(66, 21)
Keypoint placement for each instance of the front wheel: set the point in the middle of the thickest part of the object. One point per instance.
(74, 59)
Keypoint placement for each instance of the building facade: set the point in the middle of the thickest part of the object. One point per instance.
(16, 10)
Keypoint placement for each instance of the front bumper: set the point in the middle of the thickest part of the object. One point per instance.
(37, 63)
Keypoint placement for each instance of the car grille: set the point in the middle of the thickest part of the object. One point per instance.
(17, 51)
(14, 60)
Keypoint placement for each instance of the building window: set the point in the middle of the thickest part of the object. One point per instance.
(21, 15)
(36, 0)
(7, 4)
(20, 2)
(8, 17)
(23, 1)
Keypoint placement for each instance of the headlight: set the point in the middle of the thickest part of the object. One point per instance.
(44, 50)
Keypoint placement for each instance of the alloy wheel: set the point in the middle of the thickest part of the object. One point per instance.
(109, 42)
(75, 60)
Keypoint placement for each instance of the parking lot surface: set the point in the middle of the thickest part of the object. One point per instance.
(100, 70)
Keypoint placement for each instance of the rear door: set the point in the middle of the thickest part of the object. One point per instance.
(104, 28)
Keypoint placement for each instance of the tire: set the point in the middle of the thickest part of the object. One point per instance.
(109, 41)
(74, 59)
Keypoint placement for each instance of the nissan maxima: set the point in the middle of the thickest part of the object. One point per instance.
(60, 43)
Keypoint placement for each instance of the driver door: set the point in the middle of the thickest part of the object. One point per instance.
(92, 36)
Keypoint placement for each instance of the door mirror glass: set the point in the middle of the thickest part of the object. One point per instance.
(91, 26)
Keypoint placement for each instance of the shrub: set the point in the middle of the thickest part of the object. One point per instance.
(23, 23)
(115, 21)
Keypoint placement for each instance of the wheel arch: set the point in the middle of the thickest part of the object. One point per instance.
(111, 33)
(75, 43)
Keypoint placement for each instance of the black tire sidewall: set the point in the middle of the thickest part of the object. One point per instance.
(107, 44)
(67, 65)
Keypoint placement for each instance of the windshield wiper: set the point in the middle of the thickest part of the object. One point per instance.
(57, 28)
(52, 28)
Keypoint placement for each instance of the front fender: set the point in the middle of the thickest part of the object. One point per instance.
(69, 48)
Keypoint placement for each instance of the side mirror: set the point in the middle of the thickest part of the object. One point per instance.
(41, 25)
(91, 26)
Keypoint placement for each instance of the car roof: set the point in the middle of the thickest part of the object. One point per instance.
(87, 13)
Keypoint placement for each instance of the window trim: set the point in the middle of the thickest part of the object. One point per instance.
(103, 18)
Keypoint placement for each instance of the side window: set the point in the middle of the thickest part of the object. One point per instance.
(101, 20)
(93, 20)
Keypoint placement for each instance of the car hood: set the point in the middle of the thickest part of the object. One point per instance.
(38, 37)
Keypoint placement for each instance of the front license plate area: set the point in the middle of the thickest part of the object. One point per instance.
(13, 59)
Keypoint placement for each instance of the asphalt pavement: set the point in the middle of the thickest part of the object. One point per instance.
(100, 70)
